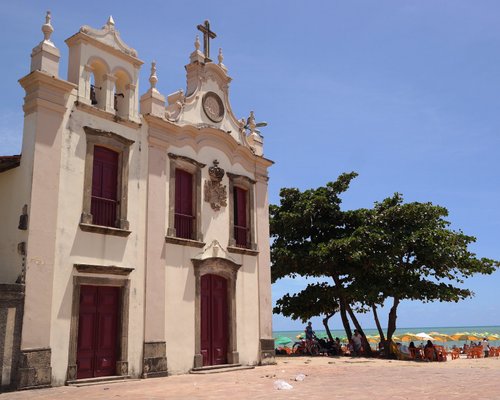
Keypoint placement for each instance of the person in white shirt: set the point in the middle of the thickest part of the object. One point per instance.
(486, 347)
(356, 343)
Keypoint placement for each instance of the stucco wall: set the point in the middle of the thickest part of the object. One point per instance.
(15, 192)
(10, 210)
(78, 247)
(180, 276)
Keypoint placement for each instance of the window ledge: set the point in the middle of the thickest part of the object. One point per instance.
(105, 230)
(184, 242)
(107, 115)
(103, 269)
(241, 250)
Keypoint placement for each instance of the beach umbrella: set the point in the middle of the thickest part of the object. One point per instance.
(464, 336)
(283, 341)
(406, 337)
(440, 337)
(322, 335)
(487, 335)
(423, 336)
(373, 338)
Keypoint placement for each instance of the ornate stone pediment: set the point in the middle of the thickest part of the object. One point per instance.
(110, 36)
(214, 251)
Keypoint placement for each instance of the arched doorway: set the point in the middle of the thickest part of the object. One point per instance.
(215, 308)
(214, 319)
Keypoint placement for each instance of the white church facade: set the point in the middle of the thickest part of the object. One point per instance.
(135, 232)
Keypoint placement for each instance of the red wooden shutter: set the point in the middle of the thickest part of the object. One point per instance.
(104, 186)
(183, 204)
(240, 217)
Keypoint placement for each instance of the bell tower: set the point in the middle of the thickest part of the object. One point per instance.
(106, 71)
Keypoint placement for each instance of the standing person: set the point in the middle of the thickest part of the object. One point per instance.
(486, 347)
(309, 331)
(356, 343)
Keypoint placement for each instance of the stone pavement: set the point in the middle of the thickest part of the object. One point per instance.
(326, 378)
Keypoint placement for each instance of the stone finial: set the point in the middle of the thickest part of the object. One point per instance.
(45, 56)
(153, 79)
(220, 57)
(153, 102)
(110, 21)
(47, 28)
(197, 55)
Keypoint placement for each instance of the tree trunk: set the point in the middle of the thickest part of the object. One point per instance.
(345, 320)
(391, 325)
(327, 328)
(377, 322)
(342, 303)
(366, 345)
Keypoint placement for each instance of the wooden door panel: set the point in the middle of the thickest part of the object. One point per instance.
(214, 322)
(86, 330)
(107, 333)
(97, 331)
(219, 319)
(205, 319)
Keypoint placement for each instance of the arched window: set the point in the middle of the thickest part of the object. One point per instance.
(121, 94)
(97, 86)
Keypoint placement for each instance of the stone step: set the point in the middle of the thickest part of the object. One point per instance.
(100, 380)
(216, 369)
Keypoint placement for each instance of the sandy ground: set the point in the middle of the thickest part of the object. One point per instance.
(326, 378)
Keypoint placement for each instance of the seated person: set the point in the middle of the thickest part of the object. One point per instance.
(336, 347)
(404, 349)
(414, 352)
(430, 352)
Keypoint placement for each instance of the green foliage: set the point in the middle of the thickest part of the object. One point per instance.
(314, 300)
(408, 251)
(302, 225)
(404, 251)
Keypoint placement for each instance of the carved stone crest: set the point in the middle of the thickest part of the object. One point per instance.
(215, 193)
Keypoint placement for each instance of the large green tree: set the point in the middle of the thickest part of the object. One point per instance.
(363, 258)
(407, 251)
(304, 227)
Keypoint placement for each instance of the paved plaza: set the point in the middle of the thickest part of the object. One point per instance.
(326, 378)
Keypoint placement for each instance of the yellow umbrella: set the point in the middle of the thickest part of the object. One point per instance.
(407, 337)
(464, 336)
(440, 337)
(373, 339)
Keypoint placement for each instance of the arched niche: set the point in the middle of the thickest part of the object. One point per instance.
(97, 70)
(122, 93)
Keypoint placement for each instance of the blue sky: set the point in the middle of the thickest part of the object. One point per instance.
(406, 93)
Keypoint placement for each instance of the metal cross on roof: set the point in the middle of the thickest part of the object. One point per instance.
(207, 35)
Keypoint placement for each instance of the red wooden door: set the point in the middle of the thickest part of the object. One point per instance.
(104, 186)
(214, 320)
(97, 331)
